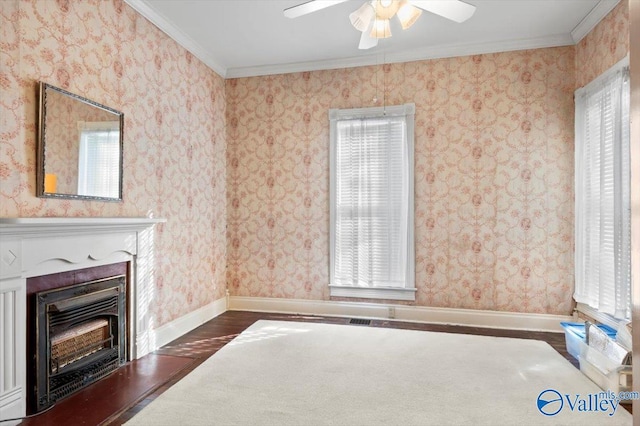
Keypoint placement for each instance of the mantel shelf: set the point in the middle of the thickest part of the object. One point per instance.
(66, 225)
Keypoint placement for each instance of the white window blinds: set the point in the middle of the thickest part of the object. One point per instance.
(603, 231)
(99, 159)
(372, 203)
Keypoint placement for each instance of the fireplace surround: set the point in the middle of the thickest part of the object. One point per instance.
(32, 247)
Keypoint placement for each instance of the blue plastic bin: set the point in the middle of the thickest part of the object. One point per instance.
(575, 336)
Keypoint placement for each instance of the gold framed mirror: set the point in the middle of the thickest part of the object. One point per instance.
(80, 144)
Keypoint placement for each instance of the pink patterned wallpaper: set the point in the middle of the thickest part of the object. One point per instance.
(493, 178)
(604, 46)
(174, 135)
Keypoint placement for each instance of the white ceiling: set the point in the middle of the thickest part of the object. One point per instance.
(239, 38)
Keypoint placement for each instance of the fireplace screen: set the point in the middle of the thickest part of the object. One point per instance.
(81, 337)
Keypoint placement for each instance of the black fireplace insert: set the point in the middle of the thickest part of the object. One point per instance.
(81, 337)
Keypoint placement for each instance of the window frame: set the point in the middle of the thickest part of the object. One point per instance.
(587, 301)
(406, 293)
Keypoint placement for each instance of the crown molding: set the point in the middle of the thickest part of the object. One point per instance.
(437, 52)
(144, 8)
(589, 22)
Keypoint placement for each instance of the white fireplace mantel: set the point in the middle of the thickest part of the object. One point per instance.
(30, 225)
(31, 247)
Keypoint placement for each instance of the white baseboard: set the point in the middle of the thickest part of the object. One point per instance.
(180, 326)
(466, 317)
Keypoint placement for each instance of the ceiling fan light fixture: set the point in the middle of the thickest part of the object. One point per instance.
(407, 14)
(381, 29)
(372, 18)
(361, 18)
(386, 9)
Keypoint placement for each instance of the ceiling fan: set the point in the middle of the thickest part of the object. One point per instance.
(372, 18)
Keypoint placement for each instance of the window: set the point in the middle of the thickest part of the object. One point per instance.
(603, 227)
(371, 225)
(99, 159)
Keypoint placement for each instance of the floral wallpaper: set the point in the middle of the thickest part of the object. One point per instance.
(493, 178)
(604, 46)
(174, 132)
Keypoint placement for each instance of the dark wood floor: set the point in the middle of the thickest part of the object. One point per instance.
(117, 398)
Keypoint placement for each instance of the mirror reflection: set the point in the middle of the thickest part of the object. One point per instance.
(80, 147)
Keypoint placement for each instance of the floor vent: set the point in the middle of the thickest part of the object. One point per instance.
(359, 321)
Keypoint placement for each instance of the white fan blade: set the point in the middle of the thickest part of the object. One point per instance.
(309, 7)
(366, 41)
(455, 10)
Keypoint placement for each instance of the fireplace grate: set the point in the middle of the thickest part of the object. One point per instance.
(79, 379)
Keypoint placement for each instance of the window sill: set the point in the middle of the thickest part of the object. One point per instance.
(373, 293)
(598, 316)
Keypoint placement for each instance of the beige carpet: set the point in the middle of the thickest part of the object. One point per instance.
(291, 373)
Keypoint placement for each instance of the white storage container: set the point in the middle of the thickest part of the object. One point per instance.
(604, 372)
